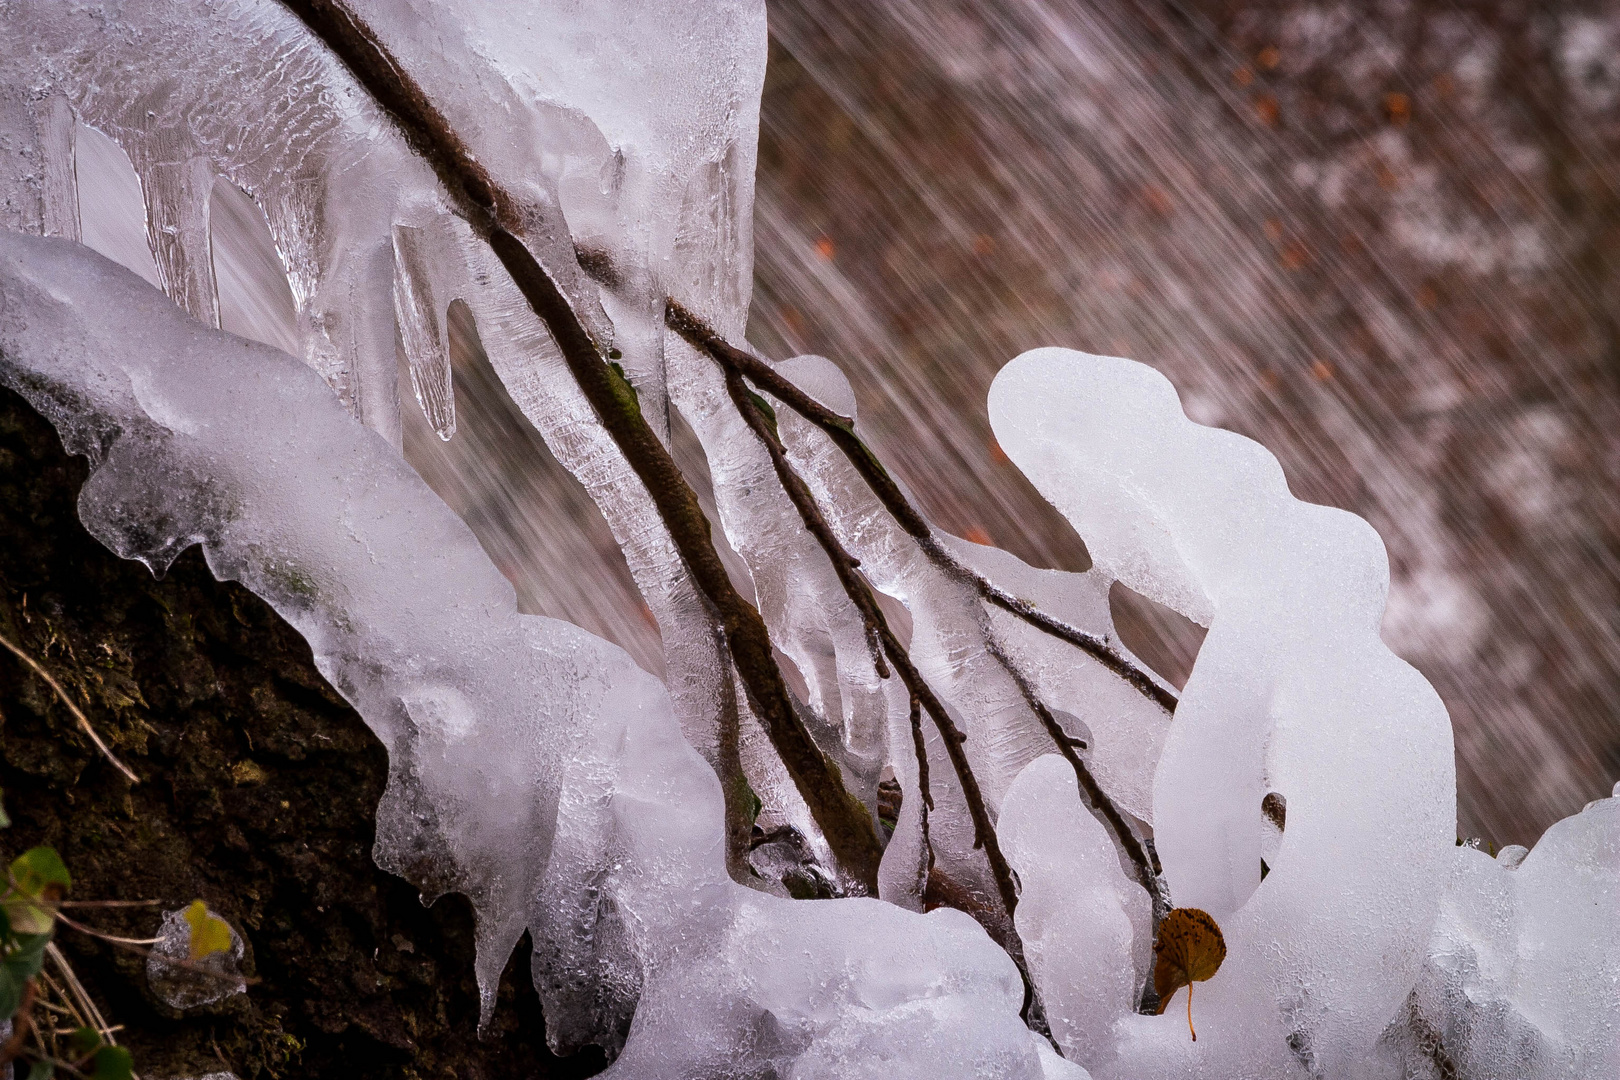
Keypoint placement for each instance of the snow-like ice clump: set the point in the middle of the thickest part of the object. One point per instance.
(532, 766)
(1367, 893)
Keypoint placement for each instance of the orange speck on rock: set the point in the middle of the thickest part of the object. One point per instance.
(1295, 257)
(1158, 200)
(1269, 57)
(1321, 370)
(984, 244)
(824, 247)
(1274, 229)
(1267, 109)
(1269, 379)
(1428, 299)
(978, 536)
(794, 319)
(1398, 107)
(1243, 76)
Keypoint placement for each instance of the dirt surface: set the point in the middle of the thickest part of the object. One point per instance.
(258, 790)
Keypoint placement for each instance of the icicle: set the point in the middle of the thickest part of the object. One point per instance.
(426, 348)
(178, 183)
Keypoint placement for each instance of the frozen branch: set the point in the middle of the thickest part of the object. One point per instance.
(841, 430)
(497, 218)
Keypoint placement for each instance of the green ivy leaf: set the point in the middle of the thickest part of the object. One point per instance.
(28, 954)
(11, 992)
(112, 1063)
(83, 1042)
(42, 1070)
(39, 873)
(209, 933)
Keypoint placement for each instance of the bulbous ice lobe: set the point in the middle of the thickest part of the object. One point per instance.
(1293, 692)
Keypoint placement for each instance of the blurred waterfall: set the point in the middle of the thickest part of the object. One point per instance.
(1383, 239)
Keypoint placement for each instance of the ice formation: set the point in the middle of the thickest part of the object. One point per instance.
(537, 769)
(192, 983)
(532, 766)
(1294, 693)
(626, 131)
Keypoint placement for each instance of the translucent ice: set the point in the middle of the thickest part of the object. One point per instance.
(190, 983)
(972, 655)
(1293, 692)
(531, 766)
(1522, 979)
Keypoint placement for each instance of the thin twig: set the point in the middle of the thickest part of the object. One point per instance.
(79, 996)
(1124, 835)
(844, 564)
(841, 430)
(102, 935)
(927, 796)
(860, 594)
(84, 721)
(501, 220)
(728, 764)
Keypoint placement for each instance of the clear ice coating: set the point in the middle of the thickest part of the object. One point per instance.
(531, 766)
(537, 769)
(189, 983)
(971, 654)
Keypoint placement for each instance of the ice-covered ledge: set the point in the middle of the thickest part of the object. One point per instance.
(533, 766)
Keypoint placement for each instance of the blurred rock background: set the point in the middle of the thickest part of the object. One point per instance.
(1382, 238)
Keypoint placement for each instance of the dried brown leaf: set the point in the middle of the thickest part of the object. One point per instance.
(1190, 949)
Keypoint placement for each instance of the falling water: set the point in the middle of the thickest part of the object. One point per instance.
(1384, 240)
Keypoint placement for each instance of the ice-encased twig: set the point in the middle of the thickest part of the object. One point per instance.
(1293, 692)
(877, 626)
(938, 590)
(841, 430)
(532, 766)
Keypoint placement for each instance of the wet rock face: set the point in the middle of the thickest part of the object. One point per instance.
(1379, 238)
(259, 788)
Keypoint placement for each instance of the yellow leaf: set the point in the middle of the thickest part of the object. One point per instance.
(1190, 949)
(209, 933)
